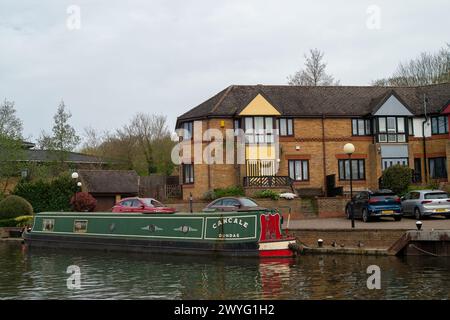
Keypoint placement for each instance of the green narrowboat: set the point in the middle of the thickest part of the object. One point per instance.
(249, 233)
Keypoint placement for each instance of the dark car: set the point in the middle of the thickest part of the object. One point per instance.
(374, 204)
(233, 204)
(141, 205)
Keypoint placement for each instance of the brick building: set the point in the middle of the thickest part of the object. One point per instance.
(387, 125)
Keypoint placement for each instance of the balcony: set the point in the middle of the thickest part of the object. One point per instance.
(267, 181)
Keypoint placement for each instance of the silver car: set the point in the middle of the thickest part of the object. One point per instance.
(425, 203)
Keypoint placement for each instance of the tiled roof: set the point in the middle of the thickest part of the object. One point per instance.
(301, 101)
(48, 156)
(110, 181)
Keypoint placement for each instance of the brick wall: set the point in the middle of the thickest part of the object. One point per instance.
(217, 175)
(331, 207)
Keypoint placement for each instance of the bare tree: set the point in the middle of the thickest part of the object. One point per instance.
(144, 144)
(428, 68)
(148, 130)
(10, 125)
(10, 143)
(314, 73)
(92, 140)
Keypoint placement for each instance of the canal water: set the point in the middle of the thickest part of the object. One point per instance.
(42, 274)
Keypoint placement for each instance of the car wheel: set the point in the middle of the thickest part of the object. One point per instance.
(397, 218)
(417, 214)
(365, 215)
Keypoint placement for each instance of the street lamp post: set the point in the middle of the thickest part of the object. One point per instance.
(75, 177)
(349, 148)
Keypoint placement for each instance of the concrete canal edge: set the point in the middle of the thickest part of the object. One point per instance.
(347, 241)
(379, 242)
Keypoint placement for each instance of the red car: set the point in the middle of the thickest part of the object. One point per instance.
(141, 205)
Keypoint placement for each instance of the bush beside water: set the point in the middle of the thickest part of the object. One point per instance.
(14, 206)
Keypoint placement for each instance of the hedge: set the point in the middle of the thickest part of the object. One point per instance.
(235, 191)
(267, 194)
(48, 196)
(14, 206)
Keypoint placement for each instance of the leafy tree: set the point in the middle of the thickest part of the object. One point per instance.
(428, 68)
(314, 73)
(63, 137)
(61, 141)
(397, 178)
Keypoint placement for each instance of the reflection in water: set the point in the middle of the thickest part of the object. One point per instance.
(41, 274)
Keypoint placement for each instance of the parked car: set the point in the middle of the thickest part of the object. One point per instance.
(143, 205)
(233, 204)
(374, 204)
(425, 203)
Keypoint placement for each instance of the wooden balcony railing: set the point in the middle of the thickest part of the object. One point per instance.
(267, 181)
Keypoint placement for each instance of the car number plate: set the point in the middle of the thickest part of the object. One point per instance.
(440, 210)
(387, 211)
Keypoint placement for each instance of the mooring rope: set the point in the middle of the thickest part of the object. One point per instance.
(424, 251)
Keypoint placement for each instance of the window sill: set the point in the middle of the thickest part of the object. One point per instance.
(188, 185)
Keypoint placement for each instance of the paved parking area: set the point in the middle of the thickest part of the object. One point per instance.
(384, 223)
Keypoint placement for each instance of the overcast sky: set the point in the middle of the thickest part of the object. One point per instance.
(166, 57)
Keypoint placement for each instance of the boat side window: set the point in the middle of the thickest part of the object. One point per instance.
(48, 224)
(80, 226)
